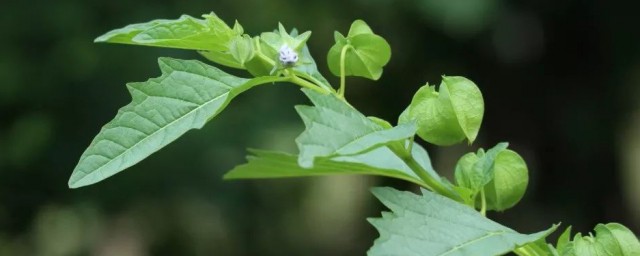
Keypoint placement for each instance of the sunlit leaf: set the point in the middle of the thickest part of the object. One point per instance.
(184, 97)
(432, 224)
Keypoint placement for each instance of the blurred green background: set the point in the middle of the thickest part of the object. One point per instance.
(560, 81)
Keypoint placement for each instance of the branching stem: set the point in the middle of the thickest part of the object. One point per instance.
(432, 184)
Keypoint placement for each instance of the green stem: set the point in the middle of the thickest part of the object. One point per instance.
(434, 185)
(483, 199)
(304, 83)
(343, 54)
(313, 80)
(528, 250)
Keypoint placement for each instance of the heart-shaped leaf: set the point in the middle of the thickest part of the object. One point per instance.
(365, 53)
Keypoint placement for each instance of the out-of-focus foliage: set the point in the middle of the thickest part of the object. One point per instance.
(567, 70)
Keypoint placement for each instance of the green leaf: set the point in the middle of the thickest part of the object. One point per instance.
(612, 239)
(449, 116)
(184, 97)
(365, 52)
(564, 239)
(335, 128)
(435, 225)
(265, 164)
(241, 48)
(210, 33)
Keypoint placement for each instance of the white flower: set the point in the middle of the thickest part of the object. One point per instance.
(287, 56)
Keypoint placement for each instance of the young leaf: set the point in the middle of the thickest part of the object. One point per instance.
(184, 97)
(241, 48)
(435, 225)
(611, 239)
(365, 53)
(449, 116)
(210, 33)
(265, 164)
(335, 128)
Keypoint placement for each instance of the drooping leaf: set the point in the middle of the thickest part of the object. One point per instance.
(365, 52)
(184, 97)
(449, 116)
(435, 225)
(265, 164)
(335, 128)
(210, 33)
(611, 239)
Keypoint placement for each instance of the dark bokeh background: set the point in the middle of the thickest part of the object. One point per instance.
(560, 81)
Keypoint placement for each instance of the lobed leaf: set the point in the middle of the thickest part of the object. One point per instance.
(432, 224)
(184, 97)
(334, 128)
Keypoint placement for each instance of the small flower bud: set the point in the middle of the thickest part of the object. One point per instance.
(287, 56)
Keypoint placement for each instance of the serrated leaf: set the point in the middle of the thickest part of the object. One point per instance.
(265, 164)
(184, 97)
(210, 33)
(435, 225)
(365, 52)
(335, 128)
(448, 116)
